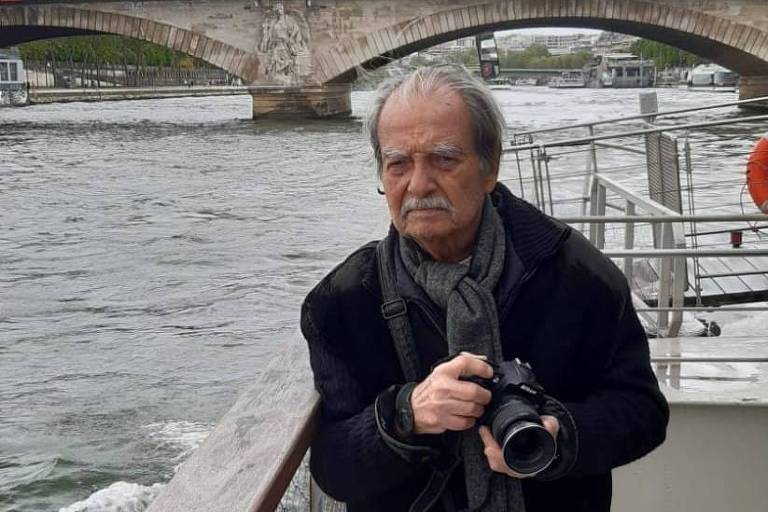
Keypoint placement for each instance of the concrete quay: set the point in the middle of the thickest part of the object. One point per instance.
(42, 96)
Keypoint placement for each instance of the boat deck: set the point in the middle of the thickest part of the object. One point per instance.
(722, 281)
(731, 280)
(715, 456)
(726, 370)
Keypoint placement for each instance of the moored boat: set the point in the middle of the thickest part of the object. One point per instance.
(568, 80)
(13, 84)
(620, 70)
(712, 75)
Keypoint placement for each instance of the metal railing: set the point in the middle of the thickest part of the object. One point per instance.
(669, 248)
(673, 278)
(668, 226)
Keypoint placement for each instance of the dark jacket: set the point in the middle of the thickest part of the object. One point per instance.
(568, 313)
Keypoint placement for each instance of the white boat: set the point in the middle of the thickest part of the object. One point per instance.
(499, 84)
(706, 75)
(568, 80)
(526, 81)
(620, 70)
(13, 83)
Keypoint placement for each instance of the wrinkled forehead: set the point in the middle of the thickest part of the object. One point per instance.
(440, 120)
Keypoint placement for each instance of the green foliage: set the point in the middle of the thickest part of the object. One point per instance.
(536, 51)
(664, 56)
(104, 49)
(538, 57)
(466, 58)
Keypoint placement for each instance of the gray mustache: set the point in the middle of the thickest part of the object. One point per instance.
(425, 203)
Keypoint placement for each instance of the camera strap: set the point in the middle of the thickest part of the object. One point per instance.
(395, 314)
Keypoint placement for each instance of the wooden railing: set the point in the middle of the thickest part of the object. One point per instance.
(248, 460)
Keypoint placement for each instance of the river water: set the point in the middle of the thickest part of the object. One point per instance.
(153, 255)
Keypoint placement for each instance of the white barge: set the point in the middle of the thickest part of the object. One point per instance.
(13, 83)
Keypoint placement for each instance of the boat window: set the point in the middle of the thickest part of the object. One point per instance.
(14, 73)
(3, 71)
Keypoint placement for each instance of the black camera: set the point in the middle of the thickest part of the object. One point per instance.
(513, 417)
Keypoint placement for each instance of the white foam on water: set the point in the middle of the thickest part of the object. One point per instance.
(182, 437)
(118, 497)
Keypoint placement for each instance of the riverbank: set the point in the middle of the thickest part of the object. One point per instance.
(43, 96)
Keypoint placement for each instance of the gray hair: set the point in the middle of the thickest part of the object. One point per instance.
(487, 119)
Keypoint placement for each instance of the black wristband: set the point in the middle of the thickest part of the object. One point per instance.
(404, 420)
(414, 449)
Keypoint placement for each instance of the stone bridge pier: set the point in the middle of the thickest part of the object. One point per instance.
(299, 57)
(308, 101)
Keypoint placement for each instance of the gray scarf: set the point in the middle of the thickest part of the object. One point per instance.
(465, 293)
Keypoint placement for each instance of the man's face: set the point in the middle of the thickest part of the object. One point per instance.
(431, 172)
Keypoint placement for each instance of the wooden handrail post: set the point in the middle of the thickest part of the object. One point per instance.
(246, 463)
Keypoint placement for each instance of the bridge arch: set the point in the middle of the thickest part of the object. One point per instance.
(737, 46)
(28, 23)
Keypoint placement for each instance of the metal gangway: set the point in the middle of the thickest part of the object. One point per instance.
(638, 199)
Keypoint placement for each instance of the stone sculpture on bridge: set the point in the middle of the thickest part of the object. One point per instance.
(284, 45)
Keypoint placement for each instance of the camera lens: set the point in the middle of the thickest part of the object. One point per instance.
(528, 448)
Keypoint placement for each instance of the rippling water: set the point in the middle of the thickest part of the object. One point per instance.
(153, 254)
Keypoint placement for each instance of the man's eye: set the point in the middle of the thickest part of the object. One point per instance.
(445, 161)
(395, 164)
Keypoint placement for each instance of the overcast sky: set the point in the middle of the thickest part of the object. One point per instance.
(549, 30)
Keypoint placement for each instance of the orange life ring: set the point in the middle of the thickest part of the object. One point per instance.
(757, 174)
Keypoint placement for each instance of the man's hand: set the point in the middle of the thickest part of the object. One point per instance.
(493, 450)
(443, 402)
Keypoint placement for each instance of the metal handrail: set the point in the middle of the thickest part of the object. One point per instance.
(695, 309)
(641, 116)
(655, 253)
(708, 359)
(673, 276)
(658, 219)
(578, 141)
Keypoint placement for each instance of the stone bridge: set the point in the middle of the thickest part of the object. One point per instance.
(300, 56)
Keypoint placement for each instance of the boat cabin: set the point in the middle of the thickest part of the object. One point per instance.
(12, 76)
(620, 70)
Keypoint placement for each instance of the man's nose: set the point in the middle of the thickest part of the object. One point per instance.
(422, 182)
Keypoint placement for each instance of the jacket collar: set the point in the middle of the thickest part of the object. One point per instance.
(535, 236)
(532, 237)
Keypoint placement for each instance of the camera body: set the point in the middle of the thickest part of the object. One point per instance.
(513, 416)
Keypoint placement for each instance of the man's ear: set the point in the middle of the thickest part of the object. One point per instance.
(492, 178)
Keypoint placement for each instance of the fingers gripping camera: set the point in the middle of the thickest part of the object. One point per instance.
(514, 419)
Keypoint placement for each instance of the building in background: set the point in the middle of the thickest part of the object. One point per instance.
(465, 43)
(556, 44)
(565, 44)
(612, 43)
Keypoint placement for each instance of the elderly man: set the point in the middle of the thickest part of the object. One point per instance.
(469, 275)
